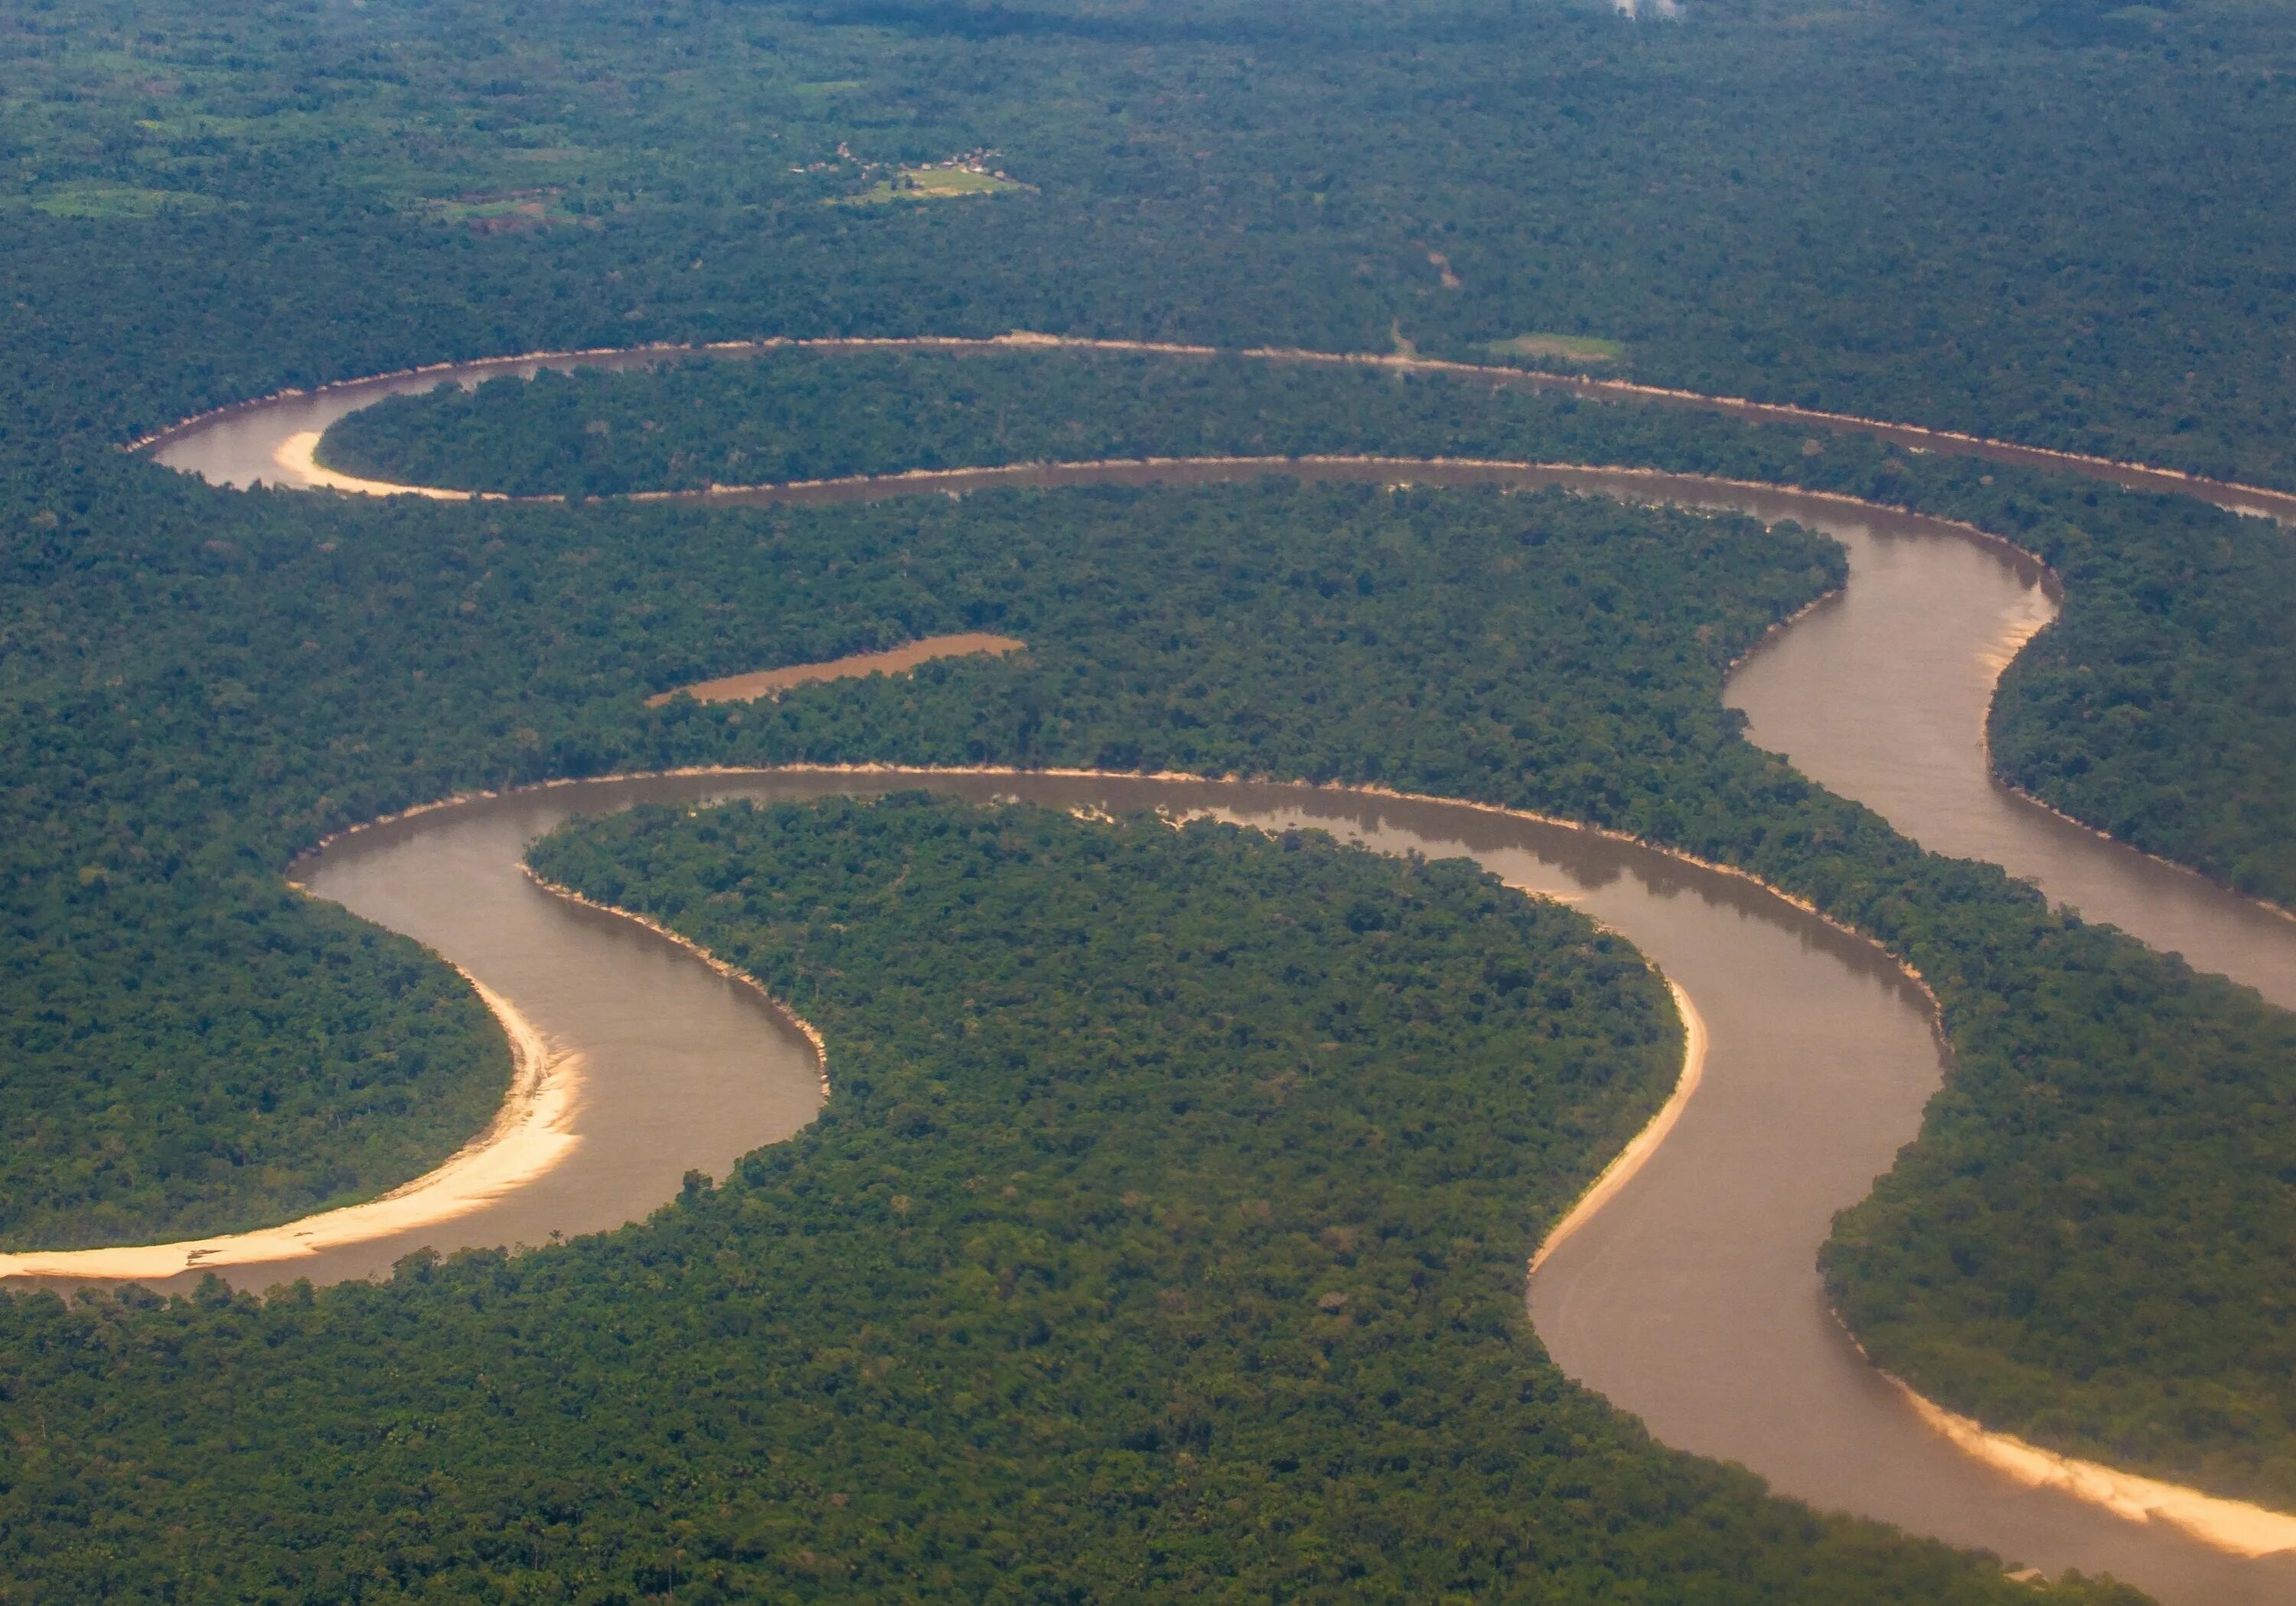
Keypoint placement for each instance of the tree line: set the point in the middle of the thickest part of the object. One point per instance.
(1537, 651)
(2161, 707)
(1164, 1234)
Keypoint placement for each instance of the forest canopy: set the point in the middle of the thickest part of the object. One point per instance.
(2089, 249)
(2161, 707)
(404, 654)
(1164, 1235)
(1757, 200)
(1541, 652)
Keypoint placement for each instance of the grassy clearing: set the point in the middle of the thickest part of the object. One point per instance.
(932, 184)
(1571, 348)
(502, 212)
(113, 201)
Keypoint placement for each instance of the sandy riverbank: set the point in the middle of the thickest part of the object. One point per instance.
(2227, 1525)
(297, 455)
(2231, 1526)
(2257, 500)
(1645, 1143)
(531, 1133)
(765, 683)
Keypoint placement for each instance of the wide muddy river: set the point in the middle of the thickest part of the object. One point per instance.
(1692, 1299)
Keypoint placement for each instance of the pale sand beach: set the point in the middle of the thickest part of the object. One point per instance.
(765, 682)
(529, 1135)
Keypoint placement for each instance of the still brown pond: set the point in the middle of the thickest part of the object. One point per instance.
(1692, 1299)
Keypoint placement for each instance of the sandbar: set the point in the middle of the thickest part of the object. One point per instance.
(530, 1134)
(2228, 1524)
(295, 456)
(766, 682)
(1645, 1143)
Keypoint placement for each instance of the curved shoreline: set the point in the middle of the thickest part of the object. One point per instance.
(295, 455)
(298, 455)
(2234, 1527)
(954, 480)
(1645, 1143)
(804, 1027)
(2237, 1527)
(2263, 501)
(527, 1137)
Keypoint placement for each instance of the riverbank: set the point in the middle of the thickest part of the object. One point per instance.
(893, 660)
(2235, 1526)
(1643, 1144)
(2259, 500)
(529, 1137)
(1393, 470)
(298, 455)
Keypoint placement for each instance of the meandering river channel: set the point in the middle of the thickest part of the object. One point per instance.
(1692, 1299)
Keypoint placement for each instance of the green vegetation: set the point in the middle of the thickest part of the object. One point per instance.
(191, 1048)
(112, 201)
(2161, 707)
(192, 712)
(493, 213)
(1542, 652)
(1762, 200)
(2012, 1263)
(1164, 1235)
(932, 184)
(1762, 204)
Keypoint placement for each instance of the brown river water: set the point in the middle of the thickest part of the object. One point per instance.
(1692, 1299)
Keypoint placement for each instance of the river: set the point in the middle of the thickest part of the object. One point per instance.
(1692, 1299)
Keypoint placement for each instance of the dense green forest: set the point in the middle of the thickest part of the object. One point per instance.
(1760, 200)
(2051, 220)
(192, 1048)
(1540, 650)
(193, 712)
(1164, 1235)
(2161, 707)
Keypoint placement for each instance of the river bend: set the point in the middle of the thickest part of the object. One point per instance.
(1692, 1299)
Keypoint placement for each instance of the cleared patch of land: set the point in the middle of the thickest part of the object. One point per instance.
(766, 682)
(114, 200)
(494, 212)
(932, 184)
(1575, 347)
